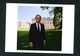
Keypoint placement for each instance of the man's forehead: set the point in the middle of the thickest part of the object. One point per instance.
(38, 16)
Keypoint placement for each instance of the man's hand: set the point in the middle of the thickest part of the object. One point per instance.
(44, 42)
(30, 44)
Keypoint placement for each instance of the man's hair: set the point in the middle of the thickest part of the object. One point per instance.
(38, 15)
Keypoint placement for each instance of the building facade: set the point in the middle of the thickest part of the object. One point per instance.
(48, 23)
(23, 26)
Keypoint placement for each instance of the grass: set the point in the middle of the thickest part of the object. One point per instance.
(53, 40)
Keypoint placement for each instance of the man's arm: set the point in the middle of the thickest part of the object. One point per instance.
(44, 34)
(30, 33)
(30, 36)
(44, 31)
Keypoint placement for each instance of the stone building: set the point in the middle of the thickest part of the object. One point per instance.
(23, 26)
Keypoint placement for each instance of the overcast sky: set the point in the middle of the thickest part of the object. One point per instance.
(28, 12)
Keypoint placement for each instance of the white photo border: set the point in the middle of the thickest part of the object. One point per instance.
(67, 29)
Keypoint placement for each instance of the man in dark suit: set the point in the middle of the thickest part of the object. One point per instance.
(37, 34)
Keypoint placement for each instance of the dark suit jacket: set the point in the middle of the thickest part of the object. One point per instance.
(35, 35)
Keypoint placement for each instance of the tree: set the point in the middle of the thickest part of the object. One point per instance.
(44, 7)
(57, 20)
(57, 13)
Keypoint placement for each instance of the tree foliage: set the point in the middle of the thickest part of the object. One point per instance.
(57, 20)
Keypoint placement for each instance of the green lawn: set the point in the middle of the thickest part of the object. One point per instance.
(53, 40)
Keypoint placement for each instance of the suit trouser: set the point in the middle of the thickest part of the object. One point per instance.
(38, 45)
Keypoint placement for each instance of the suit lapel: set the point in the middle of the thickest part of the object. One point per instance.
(41, 26)
(35, 27)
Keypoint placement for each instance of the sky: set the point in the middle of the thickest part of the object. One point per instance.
(29, 12)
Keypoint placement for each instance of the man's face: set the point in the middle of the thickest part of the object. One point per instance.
(38, 19)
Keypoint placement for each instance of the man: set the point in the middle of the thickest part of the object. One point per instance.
(37, 34)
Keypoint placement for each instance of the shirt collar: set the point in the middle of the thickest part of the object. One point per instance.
(37, 23)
